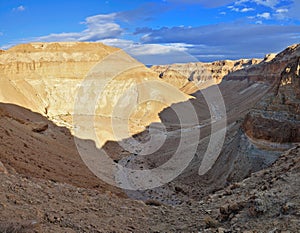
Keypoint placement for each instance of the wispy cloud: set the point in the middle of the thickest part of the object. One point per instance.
(247, 9)
(19, 8)
(97, 27)
(154, 53)
(242, 10)
(281, 14)
(266, 3)
(265, 15)
(105, 26)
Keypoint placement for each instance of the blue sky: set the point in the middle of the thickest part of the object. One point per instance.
(158, 31)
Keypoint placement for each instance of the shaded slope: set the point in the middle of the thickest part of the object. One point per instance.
(34, 146)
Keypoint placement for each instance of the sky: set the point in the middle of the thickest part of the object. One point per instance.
(158, 31)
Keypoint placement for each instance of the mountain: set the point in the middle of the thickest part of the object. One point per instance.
(56, 79)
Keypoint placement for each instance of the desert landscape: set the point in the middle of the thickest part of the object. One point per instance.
(104, 132)
(252, 185)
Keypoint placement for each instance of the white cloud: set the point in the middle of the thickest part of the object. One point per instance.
(19, 8)
(281, 14)
(120, 43)
(247, 9)
(240, 2)
(242, 10)
(265, 15)
(154, 53)
(279, 10)
(98, 27)
(282, 10)
(235, 9)
(154, 49)
(266, 3)
(139, 49)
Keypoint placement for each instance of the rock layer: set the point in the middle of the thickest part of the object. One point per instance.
(51, 78)
(194, 76)
(44, 76)
(276, 117)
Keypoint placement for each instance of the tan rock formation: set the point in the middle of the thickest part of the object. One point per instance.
(270, 57)
(267, 73)
(50, 77)
(43, 76)
(194, 76)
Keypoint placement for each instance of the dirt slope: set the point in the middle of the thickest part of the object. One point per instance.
(267, 201)
(35, 147)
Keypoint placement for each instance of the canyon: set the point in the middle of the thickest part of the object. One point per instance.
(235, 126)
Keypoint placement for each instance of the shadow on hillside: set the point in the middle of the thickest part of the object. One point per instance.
(34, 146)
(234, 162)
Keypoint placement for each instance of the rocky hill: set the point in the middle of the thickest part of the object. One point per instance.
(191, 77)
(42, 77)
(56, 79)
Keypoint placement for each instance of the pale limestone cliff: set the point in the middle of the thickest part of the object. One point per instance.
(56, 79)
(191, 77)
(44, 76)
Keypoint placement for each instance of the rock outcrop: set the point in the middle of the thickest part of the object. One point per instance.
(191, 77)
(276, 117)
(268, 70)
(44, 76)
